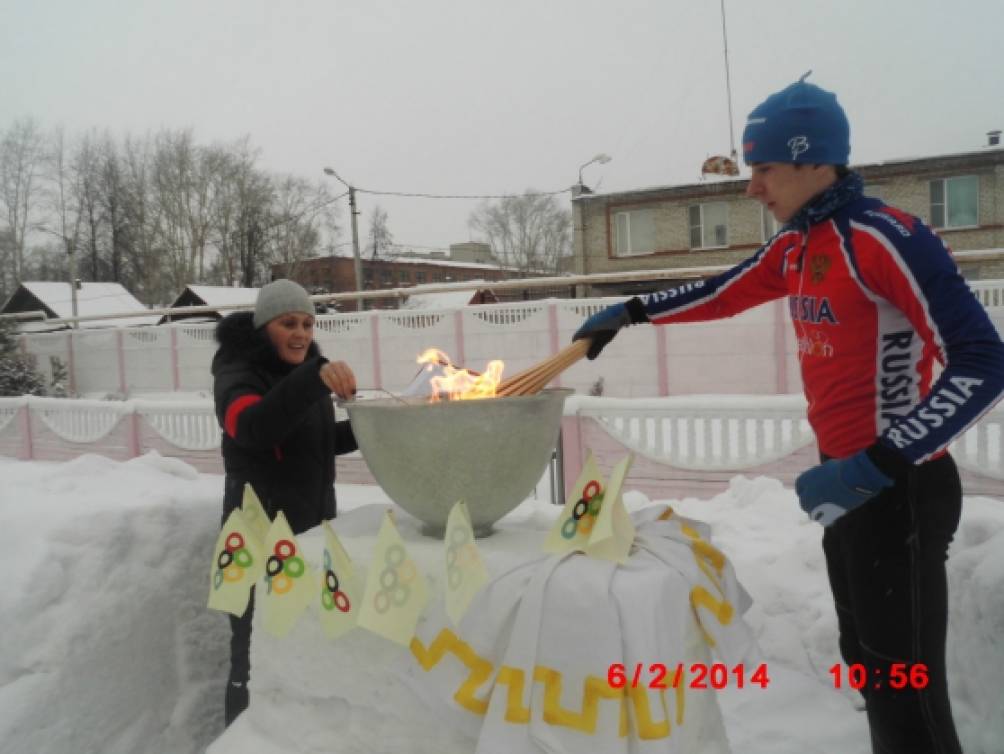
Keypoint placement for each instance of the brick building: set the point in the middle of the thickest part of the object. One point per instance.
(702, 224)
(337, 274)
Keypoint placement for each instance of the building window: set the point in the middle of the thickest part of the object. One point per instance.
(955, 202)
(634, 232)
(386, 278)
(709, 225)
(768, 225)
(419, 276)
(403, 276)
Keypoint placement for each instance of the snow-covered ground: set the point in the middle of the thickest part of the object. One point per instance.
(108, 647)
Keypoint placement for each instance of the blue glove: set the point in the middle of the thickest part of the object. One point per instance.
(606, 323)
(828, 491)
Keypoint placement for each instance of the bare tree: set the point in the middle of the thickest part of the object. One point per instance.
(240, 216)
(111, 191)
(142, 241)
(380, 237)
(331, 229)
(87, 170)
(181, 181)
(530, 232)
(155, 212)
(21, 154)
(299, 213)
(48, 262)
(62, 196)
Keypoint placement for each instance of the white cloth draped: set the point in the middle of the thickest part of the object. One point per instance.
(527, 669)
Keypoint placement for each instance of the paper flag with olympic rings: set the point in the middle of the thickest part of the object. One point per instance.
(255, 514)
(339, 590)
(290, 583)
(582, 507)
(396, 591)
(465, 570)
(238, 563)
(614, 531)
(594, 520)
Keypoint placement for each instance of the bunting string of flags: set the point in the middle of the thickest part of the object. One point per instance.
(251, 548)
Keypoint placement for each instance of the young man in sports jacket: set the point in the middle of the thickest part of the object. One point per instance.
(875, 299)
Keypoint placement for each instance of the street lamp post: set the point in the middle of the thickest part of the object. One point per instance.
(72, 252)
(601, 158)
(357, 260)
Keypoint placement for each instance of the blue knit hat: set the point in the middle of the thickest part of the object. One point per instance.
(801, 124)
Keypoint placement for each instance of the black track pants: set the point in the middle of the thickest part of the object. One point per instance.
(886, 563)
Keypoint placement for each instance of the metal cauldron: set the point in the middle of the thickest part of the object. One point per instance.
(489, 453)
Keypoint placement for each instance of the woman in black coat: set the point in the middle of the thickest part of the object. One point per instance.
(272, 390)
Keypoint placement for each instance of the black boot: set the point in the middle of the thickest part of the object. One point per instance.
(236, 700)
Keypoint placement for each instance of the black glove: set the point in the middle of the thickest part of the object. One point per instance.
(603, 325)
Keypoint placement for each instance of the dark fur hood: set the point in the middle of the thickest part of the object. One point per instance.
(240, 341)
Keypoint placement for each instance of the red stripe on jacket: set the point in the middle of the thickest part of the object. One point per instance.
(234, 411)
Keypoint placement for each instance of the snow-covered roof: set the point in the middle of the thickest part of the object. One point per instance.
(221, 295)
(443, 262)
(92, 299)
(443, 300)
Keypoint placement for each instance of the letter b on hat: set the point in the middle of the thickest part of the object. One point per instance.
(802, 123)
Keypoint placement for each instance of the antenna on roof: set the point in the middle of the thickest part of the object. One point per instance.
(720, 164)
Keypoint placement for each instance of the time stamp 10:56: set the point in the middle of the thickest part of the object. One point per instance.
(897, 676)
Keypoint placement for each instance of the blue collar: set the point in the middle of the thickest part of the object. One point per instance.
(841, 193)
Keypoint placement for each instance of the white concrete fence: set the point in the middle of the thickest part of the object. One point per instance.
(683, 446)
(753, 353)
(735, 384)
(693, 445)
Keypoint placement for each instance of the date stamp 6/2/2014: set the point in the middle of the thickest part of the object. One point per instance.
(697, 675)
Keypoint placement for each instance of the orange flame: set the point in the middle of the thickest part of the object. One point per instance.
(457, 384)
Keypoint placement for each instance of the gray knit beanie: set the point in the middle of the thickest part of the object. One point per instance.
(279, 297)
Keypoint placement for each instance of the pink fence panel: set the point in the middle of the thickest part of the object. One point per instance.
(403, 335)
(196, 345)
(629, 366)
(517, 334)
(147, 359)
(62, 429)
(348, 338)
(44, 347)
(96, 361)
(188, 431)
(15, 438)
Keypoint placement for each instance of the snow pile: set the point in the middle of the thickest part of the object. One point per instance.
(108, 646)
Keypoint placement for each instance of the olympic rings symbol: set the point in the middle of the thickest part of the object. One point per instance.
(283, 566)
(460, 552)
(397, 573)
(584, 512)
(232, 561)
(332, 596)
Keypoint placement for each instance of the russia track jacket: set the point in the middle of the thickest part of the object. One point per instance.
(875, 299)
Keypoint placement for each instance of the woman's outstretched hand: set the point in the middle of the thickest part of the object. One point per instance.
(339, 379)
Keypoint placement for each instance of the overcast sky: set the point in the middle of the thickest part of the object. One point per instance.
(472, 97)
